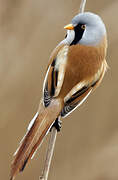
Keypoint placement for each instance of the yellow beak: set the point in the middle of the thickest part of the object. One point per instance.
(69, 27)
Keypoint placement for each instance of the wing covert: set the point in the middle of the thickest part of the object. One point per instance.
(55, 76)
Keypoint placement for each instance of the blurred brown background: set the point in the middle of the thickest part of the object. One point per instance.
(87, 147)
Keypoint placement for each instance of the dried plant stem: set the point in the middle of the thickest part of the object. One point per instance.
(53, 134)
(49, 154)
(82, 6)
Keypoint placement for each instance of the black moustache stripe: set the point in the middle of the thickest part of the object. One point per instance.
(78, 34)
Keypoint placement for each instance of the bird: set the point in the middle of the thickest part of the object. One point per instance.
(76, 68)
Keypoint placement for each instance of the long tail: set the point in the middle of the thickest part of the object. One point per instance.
(37, 129)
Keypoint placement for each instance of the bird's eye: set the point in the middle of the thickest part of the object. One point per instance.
(83, 26)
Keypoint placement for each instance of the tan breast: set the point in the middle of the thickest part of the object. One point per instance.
(82, 64)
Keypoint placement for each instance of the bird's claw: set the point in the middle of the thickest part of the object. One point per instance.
(57, 124)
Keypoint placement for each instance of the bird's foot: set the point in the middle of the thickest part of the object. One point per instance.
(57, 124)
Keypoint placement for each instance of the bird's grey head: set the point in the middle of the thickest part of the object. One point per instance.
(88, 29)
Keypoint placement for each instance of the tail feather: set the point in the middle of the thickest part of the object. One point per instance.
(33, 138)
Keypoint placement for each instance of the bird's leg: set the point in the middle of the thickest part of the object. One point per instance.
(57, 124)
